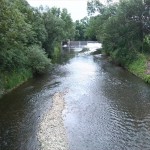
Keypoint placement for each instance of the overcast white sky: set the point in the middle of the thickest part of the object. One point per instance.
(77, 8)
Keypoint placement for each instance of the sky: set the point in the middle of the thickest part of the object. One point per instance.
(77, 8)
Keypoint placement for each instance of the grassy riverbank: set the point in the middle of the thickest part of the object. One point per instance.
(124, 35)
(11, 80)
(140, 68)
(30, 39)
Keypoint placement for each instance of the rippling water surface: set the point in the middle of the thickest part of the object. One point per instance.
(111, 109)
(106, 107)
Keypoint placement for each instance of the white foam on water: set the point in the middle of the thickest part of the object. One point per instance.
(93, 46)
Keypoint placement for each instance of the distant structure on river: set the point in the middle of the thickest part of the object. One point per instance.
(77, 44)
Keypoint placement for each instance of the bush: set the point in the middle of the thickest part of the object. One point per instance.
(37, 59)
(139, 68)
(10, 80)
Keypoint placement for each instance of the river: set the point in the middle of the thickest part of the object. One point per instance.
(106, 106)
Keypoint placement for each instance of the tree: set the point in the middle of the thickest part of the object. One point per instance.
(95, 6)
(68, 28)
(120, 27)
(13, 35)
(21, 27)
(81, 29)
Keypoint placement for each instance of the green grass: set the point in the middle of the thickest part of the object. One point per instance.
(139, 67)
(10, 80)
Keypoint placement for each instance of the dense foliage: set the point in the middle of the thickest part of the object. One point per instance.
(123, 28)
(82, 30)
(29, 37)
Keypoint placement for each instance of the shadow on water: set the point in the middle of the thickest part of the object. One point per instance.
(65, 55)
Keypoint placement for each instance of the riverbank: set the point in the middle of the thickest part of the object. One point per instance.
(52, 134)
(140, 68)
(12, 80)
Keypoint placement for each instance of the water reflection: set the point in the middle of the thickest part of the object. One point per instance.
(65, 56)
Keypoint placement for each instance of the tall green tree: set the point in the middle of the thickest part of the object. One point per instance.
(59, 27)
(68, 28)
(120, 27)
(14, 33)
(81, 29)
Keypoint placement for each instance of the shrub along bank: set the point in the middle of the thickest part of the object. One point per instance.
(29, 40)
(140, 67)
(123, 28)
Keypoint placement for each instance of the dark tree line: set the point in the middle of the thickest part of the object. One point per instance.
(28, 36)
(29, 39)
(123, 28)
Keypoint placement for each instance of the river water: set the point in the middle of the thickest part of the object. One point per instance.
(106, 106)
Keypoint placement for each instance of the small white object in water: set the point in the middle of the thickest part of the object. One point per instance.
(94, 46)
(65, 45)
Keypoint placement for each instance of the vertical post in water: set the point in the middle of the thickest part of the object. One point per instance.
(69, 44)
(61, 46)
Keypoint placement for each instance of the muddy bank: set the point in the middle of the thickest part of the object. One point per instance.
(52, 134)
